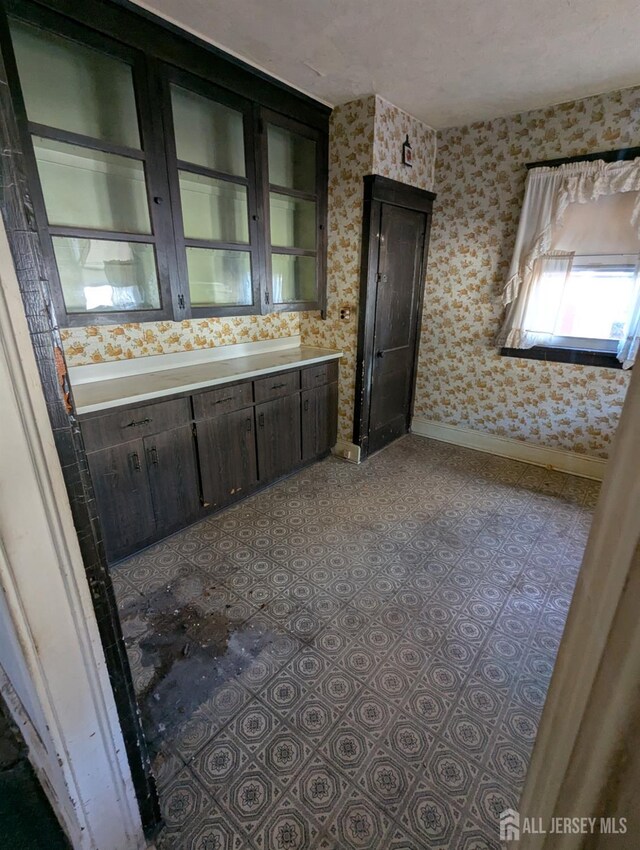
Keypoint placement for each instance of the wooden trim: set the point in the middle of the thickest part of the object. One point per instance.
(564, 461)
(618, 155)
(379, 190)
(29, 248)
(81, 141)
(400, 194)
(565, 355)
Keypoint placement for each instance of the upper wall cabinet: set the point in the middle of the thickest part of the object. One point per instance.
(295, 168)
(158, 192)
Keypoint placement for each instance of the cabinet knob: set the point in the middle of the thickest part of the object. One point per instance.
(261, 420)
(134, 460)
(158, 200)
(305, 406)
(248, 425)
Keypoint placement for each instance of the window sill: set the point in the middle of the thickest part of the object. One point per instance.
(565, 355)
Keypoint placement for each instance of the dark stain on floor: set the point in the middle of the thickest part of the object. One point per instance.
(192, 652)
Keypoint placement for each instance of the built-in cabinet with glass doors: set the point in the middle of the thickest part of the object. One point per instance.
(158, 193)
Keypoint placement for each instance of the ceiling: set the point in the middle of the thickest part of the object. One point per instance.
(448, 62)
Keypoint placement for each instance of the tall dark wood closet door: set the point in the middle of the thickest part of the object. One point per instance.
(396, 223)
(402, 234)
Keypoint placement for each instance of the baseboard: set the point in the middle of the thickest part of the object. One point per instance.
(582, 465)
(347, 451)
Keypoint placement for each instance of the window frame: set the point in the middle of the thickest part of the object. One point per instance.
(150, 155)
(588, 356)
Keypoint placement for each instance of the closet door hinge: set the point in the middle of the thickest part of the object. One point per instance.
(181, 301)
(266, 298)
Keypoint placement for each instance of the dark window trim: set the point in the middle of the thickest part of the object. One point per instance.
(619, 155)
(577, 356)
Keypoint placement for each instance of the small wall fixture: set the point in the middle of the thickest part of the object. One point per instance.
(407, 153)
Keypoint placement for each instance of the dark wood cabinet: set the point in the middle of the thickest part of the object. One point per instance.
(120, 481)
(159, 466)
(227, 452)
(191, 170)
(278, 436)
(173, 477)
(319, 420)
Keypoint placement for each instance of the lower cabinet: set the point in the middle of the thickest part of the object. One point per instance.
(173, 477)
(157, 467)
(278, 437)
(144, 489)
(227, 453)
(319, 420)
(123, 496)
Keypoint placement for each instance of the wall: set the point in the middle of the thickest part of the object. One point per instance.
(366, 138)
(96, 343)
(462, 380)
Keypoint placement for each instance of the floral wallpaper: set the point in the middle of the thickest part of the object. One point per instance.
(392, 125)
(366, 137)
(97, 343)
(462, 380)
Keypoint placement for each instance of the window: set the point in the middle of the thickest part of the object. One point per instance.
(574, 285)
(598, 295)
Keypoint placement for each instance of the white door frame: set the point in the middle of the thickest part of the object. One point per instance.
(52, 666)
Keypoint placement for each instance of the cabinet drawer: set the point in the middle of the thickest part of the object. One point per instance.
(222, 400)
(133, 422)
(322, 373)
(276, 385)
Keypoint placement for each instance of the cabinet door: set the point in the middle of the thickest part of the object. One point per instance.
(173, 476)
(120, 482)
(227, 450)
(319, 420)
(278, 430)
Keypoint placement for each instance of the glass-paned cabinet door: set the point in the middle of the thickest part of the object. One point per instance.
(296, 170)
(211, 160)
(91, 175)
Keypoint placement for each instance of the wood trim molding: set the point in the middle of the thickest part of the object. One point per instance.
(38, 308)
(51, 651)
(563, 461)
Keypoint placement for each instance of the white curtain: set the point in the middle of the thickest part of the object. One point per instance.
(539, 270)
(630, 342)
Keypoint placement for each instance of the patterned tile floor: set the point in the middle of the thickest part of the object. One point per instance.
(357, 657)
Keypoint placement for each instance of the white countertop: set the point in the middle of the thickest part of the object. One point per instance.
(130, 389)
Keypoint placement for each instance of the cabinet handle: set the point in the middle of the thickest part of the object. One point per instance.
(221, 400)
(153, 454)
(134, 424)
(261, 420)
(278, 386)
(134, 460)
(305, 406)
(248, 425)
